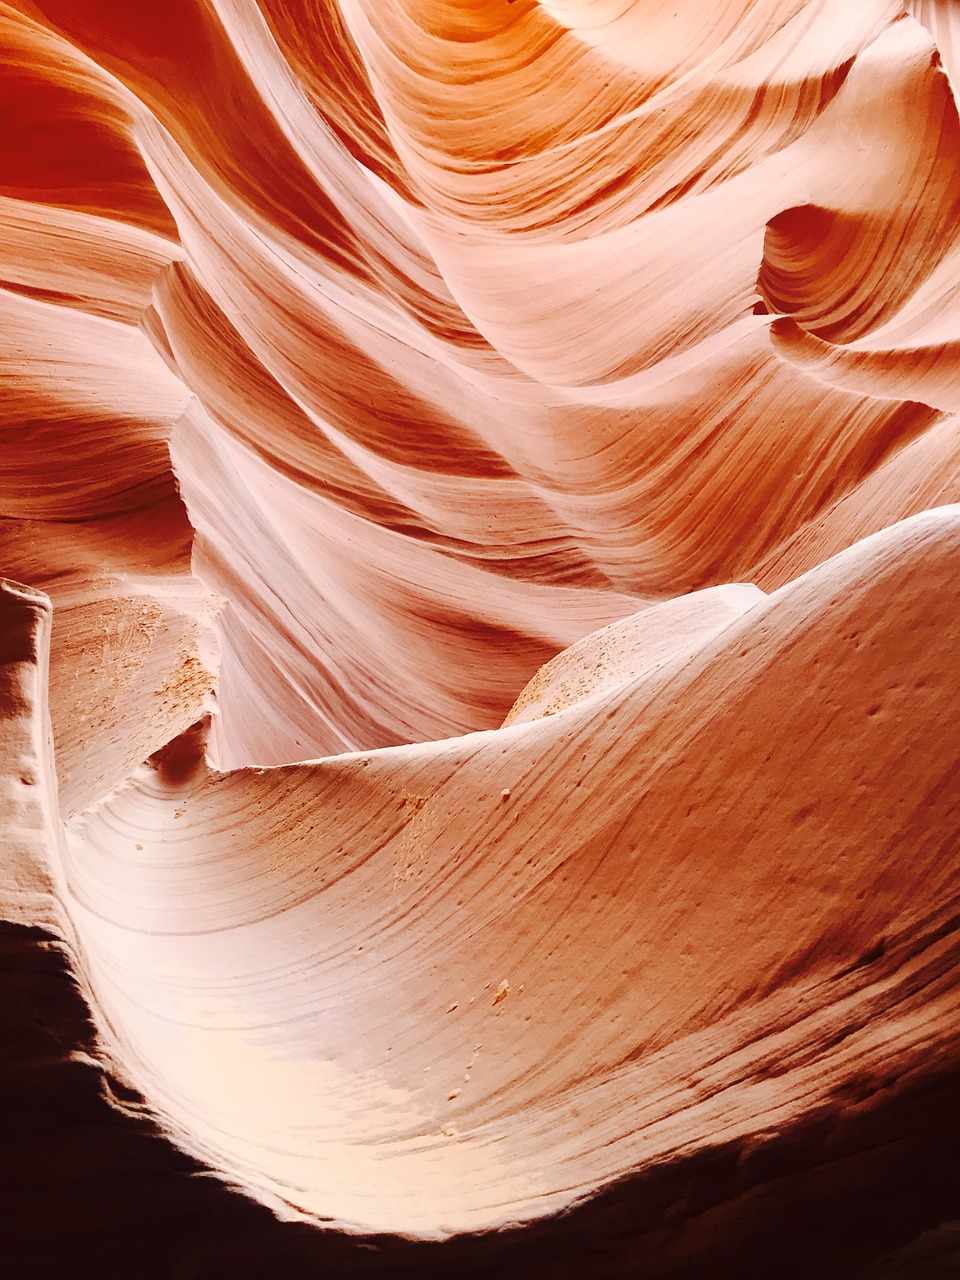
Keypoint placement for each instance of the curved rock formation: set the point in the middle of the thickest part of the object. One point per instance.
(480, 714)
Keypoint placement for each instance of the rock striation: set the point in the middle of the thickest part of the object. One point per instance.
(478, 643)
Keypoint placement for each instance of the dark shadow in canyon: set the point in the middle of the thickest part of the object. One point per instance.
(85, 1191)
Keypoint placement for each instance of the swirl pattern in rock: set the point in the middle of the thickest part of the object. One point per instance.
(480, 712)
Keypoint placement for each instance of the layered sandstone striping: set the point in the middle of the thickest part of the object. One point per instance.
(480, 716)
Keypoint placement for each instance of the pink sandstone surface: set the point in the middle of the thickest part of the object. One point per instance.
(479, 669)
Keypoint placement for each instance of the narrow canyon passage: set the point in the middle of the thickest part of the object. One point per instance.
(479, 637)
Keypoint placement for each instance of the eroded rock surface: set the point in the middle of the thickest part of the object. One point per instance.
(479, 642)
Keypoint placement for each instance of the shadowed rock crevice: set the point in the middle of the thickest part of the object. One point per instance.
(89, 1191)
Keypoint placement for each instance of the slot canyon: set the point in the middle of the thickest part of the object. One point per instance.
(480, 639)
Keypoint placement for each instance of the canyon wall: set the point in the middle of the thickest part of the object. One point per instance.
(479, 636)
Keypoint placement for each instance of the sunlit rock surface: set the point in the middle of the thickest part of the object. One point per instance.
(479, 639)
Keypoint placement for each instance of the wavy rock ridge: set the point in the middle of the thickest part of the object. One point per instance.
(480, 718)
